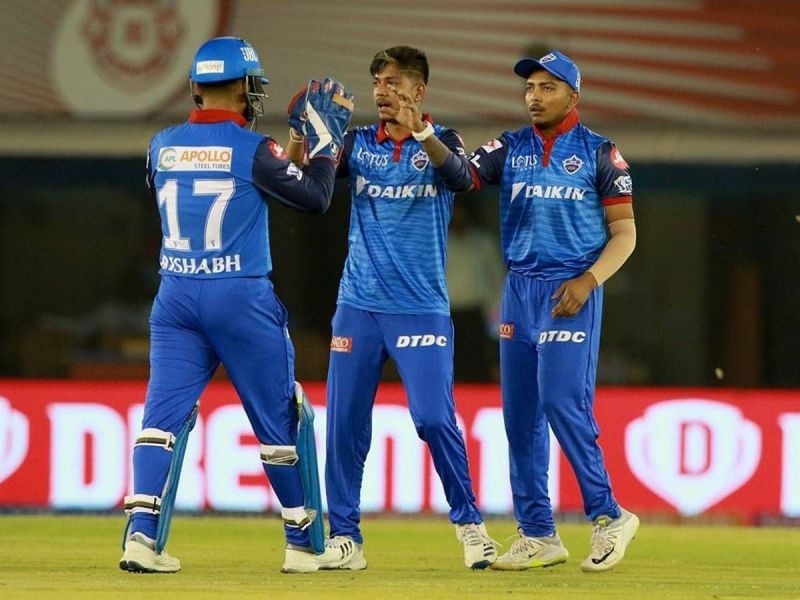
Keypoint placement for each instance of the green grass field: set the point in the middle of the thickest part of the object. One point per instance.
(225, 557)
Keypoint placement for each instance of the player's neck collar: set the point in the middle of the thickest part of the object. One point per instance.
(568, 123)
(383, 135)
(215, 115)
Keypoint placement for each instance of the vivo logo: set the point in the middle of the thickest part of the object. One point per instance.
(693, 452)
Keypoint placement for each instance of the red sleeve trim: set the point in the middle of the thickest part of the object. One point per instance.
(617, 200)
(476, 179)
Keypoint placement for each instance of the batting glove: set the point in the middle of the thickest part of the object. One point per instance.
(328, 109)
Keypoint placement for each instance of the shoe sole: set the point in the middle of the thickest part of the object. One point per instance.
(527, 566)
(480, 565)
(131, 566)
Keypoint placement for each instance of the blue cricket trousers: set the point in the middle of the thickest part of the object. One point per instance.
(422, 348)
(547, 373)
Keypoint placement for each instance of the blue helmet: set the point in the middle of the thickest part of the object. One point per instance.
(227, 59)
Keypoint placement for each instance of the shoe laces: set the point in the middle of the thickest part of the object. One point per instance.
(471, 535)
(604, 537)
(524, 545)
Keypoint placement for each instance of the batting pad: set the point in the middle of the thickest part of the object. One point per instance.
(173, 477)
(309, 471)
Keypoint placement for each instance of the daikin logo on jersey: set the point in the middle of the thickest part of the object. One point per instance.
(558, 192)
(195, 158)
(395, 192)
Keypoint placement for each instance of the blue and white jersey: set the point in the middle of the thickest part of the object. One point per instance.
(401, 208)
(552, 196)
(210, 177)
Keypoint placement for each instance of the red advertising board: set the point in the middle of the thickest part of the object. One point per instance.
(693, 451)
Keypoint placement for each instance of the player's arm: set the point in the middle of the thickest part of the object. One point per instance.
(149, 179)
(306, 190)
(614, 187)
(487, 163)
(454, 169)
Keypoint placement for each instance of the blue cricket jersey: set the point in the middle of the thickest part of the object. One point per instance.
(552, 196)
(210, 177)
(401, 208)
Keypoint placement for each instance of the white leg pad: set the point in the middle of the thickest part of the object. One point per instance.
(285, 456)
(156, 437)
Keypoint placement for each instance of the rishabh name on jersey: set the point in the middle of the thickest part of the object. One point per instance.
(553, 223)
(213, 220)
(398, 228)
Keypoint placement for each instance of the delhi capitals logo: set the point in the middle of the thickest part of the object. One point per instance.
(572, 164)
(420, 160)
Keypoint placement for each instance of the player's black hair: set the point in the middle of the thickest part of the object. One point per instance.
(405, 57)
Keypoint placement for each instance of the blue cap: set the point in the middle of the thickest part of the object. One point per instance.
(555, 63)
(225, 59)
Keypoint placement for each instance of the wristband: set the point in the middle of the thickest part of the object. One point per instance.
(295, 136)
(425, 133)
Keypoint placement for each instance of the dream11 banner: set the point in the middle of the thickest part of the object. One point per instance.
(66, 445)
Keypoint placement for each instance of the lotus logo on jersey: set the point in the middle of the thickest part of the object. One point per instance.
(562, 192)
(397, 192)
(14, 434)
(693, 452)
(554, 335)
(572, 164)
(624, 184)
(341, 344)
(371, 160)
(416, 341)
(507, 331)
(524, 162)
(420, 160)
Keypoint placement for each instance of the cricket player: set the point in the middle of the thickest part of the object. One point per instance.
(393, 300)
(210, 178)
(566, 227)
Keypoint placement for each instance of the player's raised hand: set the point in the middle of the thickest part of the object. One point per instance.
(328, 109)
(297, 110)
(408, 114)
(572, 295)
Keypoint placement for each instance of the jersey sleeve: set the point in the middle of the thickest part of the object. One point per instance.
(614, 185)
(306, 190)
(149, 179)
(487, 162)
(343, 168)
(455, 170)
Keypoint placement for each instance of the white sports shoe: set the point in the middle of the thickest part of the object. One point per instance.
(610, 538)
(480, 550)
(533, 552)
(343, 552)
(140, 557)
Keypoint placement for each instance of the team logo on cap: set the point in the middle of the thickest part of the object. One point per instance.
(572, 164)
(420, 160)
(547, 58)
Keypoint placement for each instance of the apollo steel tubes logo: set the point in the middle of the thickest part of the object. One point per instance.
(693, 452)
(128, 57)
(14, 435)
